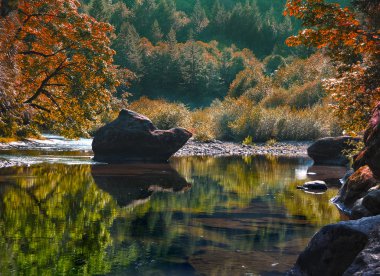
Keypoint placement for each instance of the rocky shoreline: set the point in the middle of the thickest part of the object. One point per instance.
(213, 148)
(351, 247)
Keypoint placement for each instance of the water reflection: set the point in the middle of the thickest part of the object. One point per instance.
(133, 184)
(238, 216)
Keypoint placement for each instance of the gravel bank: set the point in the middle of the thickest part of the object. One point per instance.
(218, 148)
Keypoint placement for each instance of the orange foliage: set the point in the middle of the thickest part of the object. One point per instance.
(351, 39)
(66, 77)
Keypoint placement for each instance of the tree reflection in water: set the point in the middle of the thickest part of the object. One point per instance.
(238, 215)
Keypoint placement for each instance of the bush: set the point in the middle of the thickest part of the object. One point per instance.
(237, 119)
(272, 63)
(246, 79)
(203, 127)
(242, 120)
(258, 93)
(306, 95)
(278, 97)
(164, 115)
(301, 71)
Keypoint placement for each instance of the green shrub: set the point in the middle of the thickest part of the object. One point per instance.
(272, 63)
(248, 140)
(271, 142)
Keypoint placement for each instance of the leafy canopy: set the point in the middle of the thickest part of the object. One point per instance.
(65, 77)
(350, 37)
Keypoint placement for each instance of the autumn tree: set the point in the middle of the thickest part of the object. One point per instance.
(350, 37)
(65, 77)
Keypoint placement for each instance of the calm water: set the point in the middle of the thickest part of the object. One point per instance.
(64, 214)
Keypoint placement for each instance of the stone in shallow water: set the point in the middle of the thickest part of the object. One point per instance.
(133, 137)
(313, 185)
(330, 150)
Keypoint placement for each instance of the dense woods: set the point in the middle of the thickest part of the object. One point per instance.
(68, 66)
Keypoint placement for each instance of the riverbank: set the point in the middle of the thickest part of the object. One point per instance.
(219, 148)
(213, 148)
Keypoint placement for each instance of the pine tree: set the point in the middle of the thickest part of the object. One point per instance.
(98, 10)
(199, 19)
(165, 15)
(218, 19)
(172, 40)
(156, 33)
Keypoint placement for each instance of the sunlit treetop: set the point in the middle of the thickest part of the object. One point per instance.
(350, 36)
(66, 76)
(330, 26)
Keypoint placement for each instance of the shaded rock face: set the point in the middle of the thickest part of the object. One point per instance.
(370, 155)
(368, 260)
(133, 137)
(345, 248)
(360, 197)
(133, 184)
(329, 150)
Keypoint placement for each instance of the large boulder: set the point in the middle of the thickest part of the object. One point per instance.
(133, 137)
(345, 248)
(330, 150)
(360, 197)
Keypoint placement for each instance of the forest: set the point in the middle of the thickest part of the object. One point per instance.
(68, 66)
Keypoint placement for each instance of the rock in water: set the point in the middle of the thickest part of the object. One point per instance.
(360, 196)
(345, 248)
(133, 137)
(329, 150)
(318, 185)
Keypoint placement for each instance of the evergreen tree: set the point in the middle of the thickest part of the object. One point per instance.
(98, 10)
(219, 17)
(144, 13)
(199, 20)
(165, 14)
(119, 16)
(156, 33)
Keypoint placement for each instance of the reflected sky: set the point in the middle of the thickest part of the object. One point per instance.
(194, 216)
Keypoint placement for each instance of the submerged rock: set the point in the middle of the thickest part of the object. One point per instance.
(133, 137)
(330, 150)
(345, 248)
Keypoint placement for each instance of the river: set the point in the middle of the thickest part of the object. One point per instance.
(62, 213)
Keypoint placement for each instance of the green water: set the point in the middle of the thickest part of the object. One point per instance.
(194, 216)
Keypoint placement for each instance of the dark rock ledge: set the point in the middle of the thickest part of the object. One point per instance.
(345, 248)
